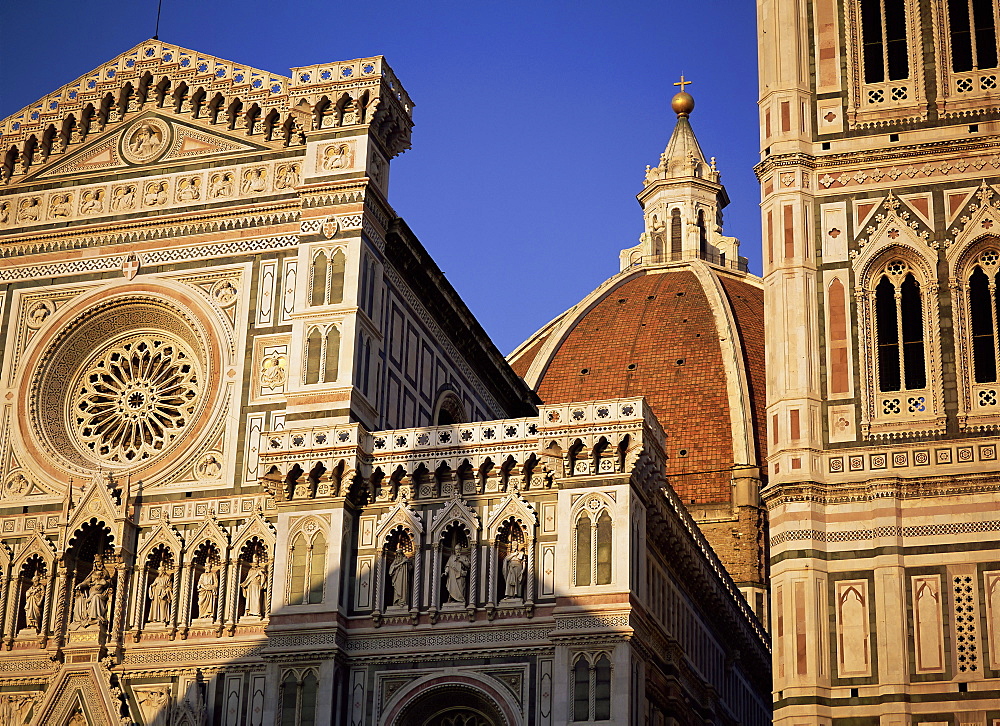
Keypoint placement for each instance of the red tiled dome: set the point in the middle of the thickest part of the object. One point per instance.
(690, 338)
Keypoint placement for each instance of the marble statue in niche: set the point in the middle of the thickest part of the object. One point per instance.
(34, 597)
(161, 595)
(456, 572)
(513, 571)
(90, 604)
(399, 576)
(253, 587)
(208, 591)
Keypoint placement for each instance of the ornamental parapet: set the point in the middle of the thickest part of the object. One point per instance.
(589, 438)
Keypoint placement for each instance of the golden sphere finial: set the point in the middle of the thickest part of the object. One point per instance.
(683, 102)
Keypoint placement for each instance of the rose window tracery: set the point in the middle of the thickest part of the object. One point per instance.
(135, 398)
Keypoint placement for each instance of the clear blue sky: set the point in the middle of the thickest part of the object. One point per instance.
(534, 120)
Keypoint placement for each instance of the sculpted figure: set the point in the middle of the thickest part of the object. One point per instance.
(456, 570)
(221, 185)
(513, 570)
(399, 575)
(27, 210)
(156, 193)
(337, 156)
(254, 180)
(155, 707)
(189, 189)
(253, 587)
(273, 371)
(59, 206)
(92, 201)
(96, 590)
(4, 213)
(287, 176)
(161, 593)
(124, 197)
(33, 598)
(208, 591)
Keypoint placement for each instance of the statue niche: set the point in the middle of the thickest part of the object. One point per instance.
(159, 596)
(91, 577)
(399, 553)
(32, 583)
(457, 558)
(253, 579)
(512, 559)
(206, 565)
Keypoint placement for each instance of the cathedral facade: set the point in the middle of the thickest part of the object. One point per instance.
(879, 189)
(259, 464)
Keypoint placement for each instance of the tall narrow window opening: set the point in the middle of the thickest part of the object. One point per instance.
(581, 690)
(314, 354)
(883, 40)
(583, 545)
(675, 234)
(319, 269)
(984, 316)
(899, 330)
(604, 549)
(972, 25)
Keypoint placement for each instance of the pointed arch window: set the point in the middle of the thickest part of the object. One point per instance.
(899, 330)
(327, 277)
(322, 355)
(308, 570)
(984, 316)
(883, 40)
(298, 695)
(972, 31)
(594, 535)
(592, 687)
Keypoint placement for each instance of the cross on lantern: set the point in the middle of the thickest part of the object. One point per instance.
(683, 83)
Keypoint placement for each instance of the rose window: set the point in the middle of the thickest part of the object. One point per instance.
(135, 398)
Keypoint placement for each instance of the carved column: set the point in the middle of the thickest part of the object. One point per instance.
(183, 606)
(122, 573)
(175, 601)
(5, 584)
(491, 577)
(474, 553)
(435, 578)
(418, 576)
(234, 587)
(265, 608)
(378, 577)
(10, 612)
(220, 602)
(139, 601)
(64, 580)
(529, 570)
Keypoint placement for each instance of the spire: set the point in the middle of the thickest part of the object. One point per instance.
(682, 201)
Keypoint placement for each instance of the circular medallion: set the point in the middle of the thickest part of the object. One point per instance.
(145, 141)
(123, 383)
